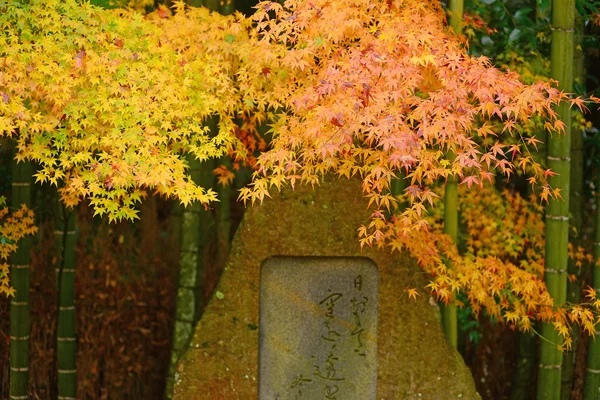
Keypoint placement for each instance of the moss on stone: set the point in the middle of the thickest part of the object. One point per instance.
(415, 361)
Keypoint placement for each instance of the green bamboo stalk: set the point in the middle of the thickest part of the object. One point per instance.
(521, 388)
(557, 211)
(576, 205)
(19, 305)
(456, 13)
(592, 376)
(66, 344)
(449, 316)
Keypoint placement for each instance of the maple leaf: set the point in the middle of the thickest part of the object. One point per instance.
(579, 102)
(412, 293)
(224, 175)
(470, 180)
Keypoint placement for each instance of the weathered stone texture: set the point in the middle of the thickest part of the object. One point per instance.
(414, 359)
(318, 328)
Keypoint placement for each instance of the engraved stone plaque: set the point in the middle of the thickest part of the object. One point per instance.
(318, 328)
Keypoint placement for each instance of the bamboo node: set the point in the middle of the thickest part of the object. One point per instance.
(13, 397)
(593, 371)
(20, 266)
(18, 303)
(555, 271)
(19, 337)
(190, 287)
(562, 29)
(67, 371)
(66, 308)
(65, 339)
(557, 217)
(21, 184)
(59, 232)
(552, 158)
(17, 369)
(66, 398)
(550, 366)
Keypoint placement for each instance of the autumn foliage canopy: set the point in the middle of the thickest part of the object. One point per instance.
(108, 102)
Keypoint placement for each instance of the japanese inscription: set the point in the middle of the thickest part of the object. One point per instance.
(318, 328)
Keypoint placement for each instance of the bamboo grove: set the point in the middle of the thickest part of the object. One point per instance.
(110, 105)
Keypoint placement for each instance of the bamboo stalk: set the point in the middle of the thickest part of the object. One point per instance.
(576, 205)
(456, 13)
(449, 316)
(19, 305)
(557, 210)
(66, 343)
(521, 388)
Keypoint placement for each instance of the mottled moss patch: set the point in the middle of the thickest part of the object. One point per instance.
(415, 361)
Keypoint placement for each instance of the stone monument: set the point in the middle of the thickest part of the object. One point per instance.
(414, 360)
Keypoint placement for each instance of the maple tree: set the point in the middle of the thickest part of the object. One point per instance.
(380, 94)
(106, 101)
(389, 121)
(353, 119)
